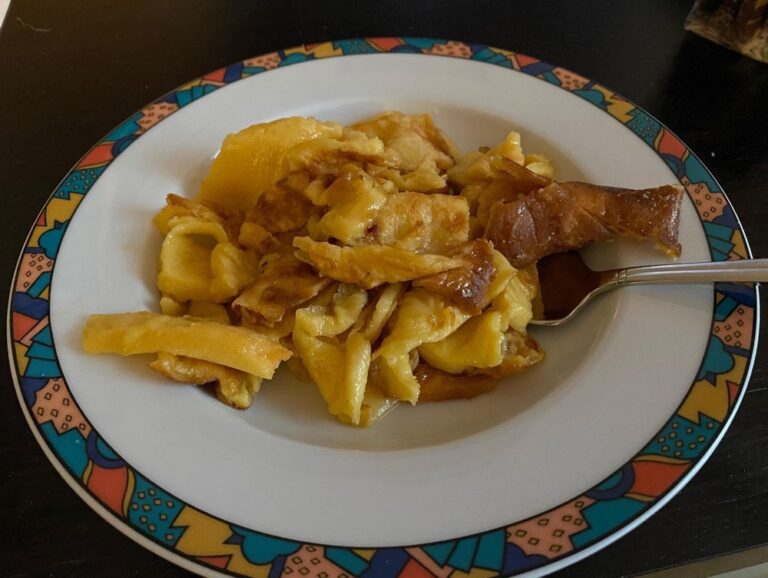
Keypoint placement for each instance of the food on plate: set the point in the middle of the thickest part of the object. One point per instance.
(212, 341)
(370, 265)
(469, 284)
(284, 284)
(253, 159)
(374, 260)
(564, 216)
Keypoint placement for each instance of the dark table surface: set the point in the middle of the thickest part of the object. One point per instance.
(70, 71)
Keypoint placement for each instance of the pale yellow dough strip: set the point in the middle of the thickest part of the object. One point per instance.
(146, 332)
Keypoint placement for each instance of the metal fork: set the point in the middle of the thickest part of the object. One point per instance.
(748, 270)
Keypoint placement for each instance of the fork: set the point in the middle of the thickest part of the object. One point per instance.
(588, 284)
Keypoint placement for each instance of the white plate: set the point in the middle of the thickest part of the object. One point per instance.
(554, 464)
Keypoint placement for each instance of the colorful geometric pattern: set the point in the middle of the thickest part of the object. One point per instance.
(562, 531)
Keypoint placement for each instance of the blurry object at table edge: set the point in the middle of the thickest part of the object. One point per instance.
(741, 25)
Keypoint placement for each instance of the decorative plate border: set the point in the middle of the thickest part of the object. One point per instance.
(572, 529)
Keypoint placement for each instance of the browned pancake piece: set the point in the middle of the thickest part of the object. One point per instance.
(438, 385)
(512, 182)
(565, 216)
(465, 286)
(285, 284)
(233, 387)
(284, 207)
(520, 179)
(177, 206)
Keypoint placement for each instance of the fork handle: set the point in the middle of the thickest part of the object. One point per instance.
(746, 270)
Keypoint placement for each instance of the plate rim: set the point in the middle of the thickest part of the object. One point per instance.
(484, 547)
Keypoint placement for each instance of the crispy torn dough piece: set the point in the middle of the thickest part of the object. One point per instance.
(438, 385)
(483, 164)
(253, 159)
(483, 341)
(284, 284)
(515, 302)
(519, 179)
(233, 387)
(522, 352)
(338, 366)
(413, 141)
(513, 181)
(283, 207)
(177, 206)
(354, 199)
(422, 317)
(384, 300)
(465, 286)
(145, 332)
(372, 265)
(257, 238)
(340, 371)
(280, 331)
(423, 223)
(199, 263)
(564, 216)
(415, 150)
(540, 165)
(479, 342)
(326, 156)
